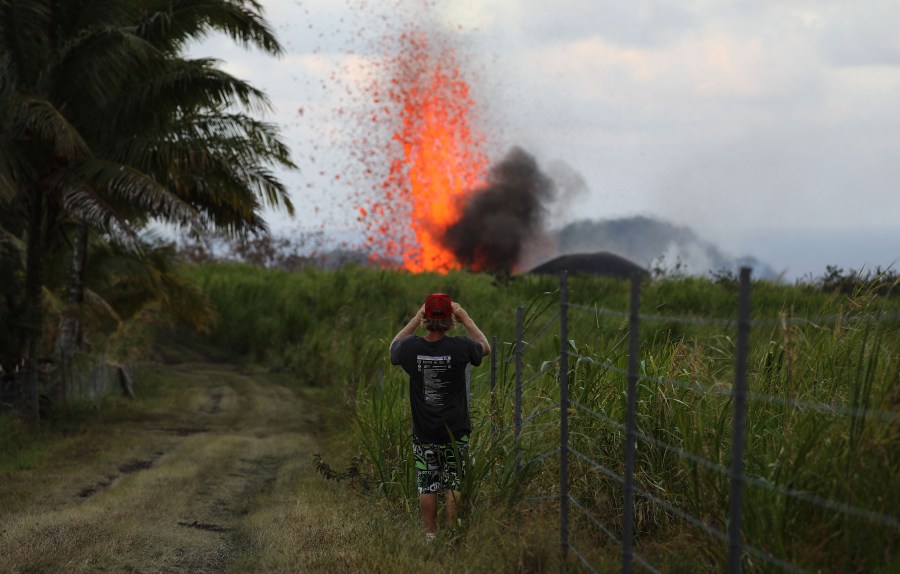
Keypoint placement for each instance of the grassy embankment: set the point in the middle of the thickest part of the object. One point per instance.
(331, 330)
(209, 469)
(322, 338)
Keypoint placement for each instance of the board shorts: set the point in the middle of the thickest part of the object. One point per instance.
(440, 466)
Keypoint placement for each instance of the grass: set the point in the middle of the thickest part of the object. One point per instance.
(332, 329)
(236, 491)
(302, 369)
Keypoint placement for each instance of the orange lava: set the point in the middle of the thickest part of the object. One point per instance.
(435, 162)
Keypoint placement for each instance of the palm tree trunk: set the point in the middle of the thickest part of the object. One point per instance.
(34, 313)
(70, 324)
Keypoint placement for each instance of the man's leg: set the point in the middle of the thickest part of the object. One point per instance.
(455, 457)
(428, 505)
(428, 481)
(452, 498)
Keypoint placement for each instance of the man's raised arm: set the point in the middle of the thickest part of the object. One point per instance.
(410, 328)
(471, 329)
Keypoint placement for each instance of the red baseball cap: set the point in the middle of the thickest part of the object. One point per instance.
(438, 306)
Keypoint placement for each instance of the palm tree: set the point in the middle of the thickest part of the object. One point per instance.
(109, 127)
(173, 126)
(36, 144)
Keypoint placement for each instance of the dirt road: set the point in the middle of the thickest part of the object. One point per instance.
(198, 486)
(214, 472)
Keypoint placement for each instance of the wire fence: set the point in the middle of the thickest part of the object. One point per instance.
(737, 395)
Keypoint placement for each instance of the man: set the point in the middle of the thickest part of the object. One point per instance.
(438, 369)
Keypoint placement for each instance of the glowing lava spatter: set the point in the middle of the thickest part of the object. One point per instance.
(436, 158)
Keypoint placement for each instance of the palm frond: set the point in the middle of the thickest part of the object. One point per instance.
(78, 15)
(259, 178)
(238, 134)
(137, 188)
(90, 69)
(38, 119)
(183, 88)
(96, 302)
(12, 257)
(10, 169)
(173, 24)
(225, 209)
(215, 161)
(85, 204)
(9, 156)
(130, 280)
(24, 36)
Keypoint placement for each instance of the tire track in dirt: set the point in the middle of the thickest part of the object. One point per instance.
(174, 501)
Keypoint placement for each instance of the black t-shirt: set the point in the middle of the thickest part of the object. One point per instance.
(438, 384)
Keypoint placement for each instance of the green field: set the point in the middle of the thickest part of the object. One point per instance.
(825, 485)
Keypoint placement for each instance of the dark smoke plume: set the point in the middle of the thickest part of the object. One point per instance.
(500, 219)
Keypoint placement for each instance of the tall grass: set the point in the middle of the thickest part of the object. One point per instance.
(333, 328)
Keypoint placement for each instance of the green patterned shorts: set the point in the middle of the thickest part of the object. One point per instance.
(440, 466)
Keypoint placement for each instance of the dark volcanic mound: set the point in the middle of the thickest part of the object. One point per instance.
(600, 263)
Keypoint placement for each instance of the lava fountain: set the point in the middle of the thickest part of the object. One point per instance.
(435, 156)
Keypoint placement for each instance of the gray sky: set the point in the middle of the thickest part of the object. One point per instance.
(771, 128)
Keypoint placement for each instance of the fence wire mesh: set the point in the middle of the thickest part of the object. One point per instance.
(740, 552)
(801, 404)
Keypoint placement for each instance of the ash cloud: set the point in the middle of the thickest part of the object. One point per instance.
(499, 220)
(523, 218)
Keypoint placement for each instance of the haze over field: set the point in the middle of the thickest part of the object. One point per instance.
(765, 130)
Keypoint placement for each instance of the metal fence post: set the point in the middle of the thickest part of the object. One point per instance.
(520, 317)
(631, 422)
(564, 414)
(738, 433)
(494, 385)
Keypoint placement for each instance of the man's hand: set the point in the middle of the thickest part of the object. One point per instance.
(458, 312)
(471, 328)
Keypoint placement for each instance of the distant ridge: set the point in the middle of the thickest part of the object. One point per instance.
(600, 263)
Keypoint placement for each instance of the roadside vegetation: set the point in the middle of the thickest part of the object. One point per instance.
(334, 488)
(105, 129)
(331, 330)
(212, 468)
